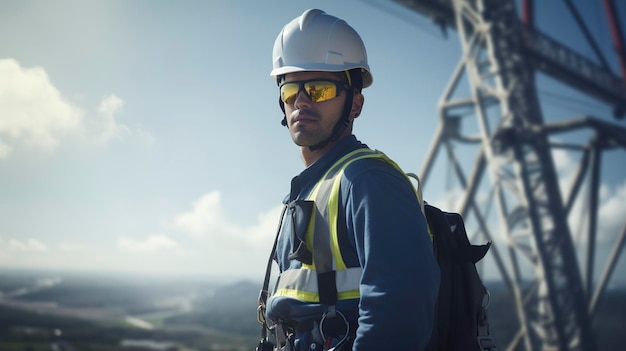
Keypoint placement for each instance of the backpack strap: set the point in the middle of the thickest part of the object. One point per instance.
(484, 338)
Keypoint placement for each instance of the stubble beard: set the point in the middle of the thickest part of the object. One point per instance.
(308, 133)
(303, 137)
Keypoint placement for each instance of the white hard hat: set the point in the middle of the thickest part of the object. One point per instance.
(316, 41)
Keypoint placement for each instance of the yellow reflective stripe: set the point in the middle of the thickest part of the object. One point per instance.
(379, 154)
(333, 200)
(306, 296)
(333, 214)
(395, 165)
(350, 294)
(301, 284)
(334, 166)
(333, 206)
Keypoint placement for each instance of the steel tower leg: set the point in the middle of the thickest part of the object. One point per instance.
(523, 172)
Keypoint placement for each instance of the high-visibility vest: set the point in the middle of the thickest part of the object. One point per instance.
(322, 238)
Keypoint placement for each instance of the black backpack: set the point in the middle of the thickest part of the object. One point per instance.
(461, 313)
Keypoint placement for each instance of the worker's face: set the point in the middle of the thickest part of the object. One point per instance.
(311, 122)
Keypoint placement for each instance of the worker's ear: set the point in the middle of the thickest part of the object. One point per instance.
(357, 105)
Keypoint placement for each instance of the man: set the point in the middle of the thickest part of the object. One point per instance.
(356, 260)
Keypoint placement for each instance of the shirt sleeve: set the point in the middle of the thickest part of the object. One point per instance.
(400, 277)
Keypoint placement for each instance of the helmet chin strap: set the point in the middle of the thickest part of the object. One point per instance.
(341, 125)
(282, 107)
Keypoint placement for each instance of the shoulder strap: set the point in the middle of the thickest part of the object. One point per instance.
(263, 294)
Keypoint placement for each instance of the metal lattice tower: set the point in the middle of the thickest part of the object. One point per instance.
(556, 304)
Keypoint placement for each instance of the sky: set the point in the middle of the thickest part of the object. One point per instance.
(145, 136)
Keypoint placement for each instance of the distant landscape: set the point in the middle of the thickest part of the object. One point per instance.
(42, 310)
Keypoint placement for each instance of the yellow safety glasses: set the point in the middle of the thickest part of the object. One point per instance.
(316, 90)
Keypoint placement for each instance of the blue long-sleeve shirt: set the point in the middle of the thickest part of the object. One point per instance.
(387, 237)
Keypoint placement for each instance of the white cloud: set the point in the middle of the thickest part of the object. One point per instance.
(206, 219)
(208, 222)
(107, 126)
(566, 169)
(152, 244)
(611, 219)
(36, 115)
(263, 232)
(220, 239)
(214, 244)
(29, 245)
(563, 161)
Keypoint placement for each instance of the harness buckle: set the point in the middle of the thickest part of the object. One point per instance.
(260, 315)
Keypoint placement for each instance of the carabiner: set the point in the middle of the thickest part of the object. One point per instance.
(260, 314)
(345, 336)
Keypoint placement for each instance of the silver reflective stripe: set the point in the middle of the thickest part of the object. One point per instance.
(305, 280)
(322, 252)
(322, 238)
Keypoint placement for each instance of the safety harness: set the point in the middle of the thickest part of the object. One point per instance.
(327, 278)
